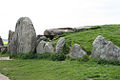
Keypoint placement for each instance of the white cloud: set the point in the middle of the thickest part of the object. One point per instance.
(58, 13)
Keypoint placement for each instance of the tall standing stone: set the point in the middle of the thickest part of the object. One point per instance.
(24, 38)
(1, 41)
(60, 45)
(10, 36)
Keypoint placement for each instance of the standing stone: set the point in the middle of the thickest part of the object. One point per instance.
(49, 47)
(77, 51)
(10, 36)
(105, 49)
(24, 38)
(60, 45)
(40, 48)
(1, 41)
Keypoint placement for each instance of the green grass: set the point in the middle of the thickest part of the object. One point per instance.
(60, 70)
(86, 37)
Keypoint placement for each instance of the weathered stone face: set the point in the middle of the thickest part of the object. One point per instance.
(10, 36)
(40, 47)
(51, 33)
(77, 51)
(44, 47)
(60, 45)
(105, 49)
(24, 38)
(40, 39)
(1, 41)
(49, 47)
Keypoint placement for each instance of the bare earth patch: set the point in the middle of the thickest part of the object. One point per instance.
(5, 58)
(2, 77)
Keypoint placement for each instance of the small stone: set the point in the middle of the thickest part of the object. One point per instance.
(77, 51)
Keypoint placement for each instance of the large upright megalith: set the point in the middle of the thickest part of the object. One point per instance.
(10, 36)
(24, 38)
(1, 41)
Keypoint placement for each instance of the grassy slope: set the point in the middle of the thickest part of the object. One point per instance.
(86, 38)
(65, 70)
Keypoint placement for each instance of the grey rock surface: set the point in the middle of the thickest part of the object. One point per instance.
(44, 47)
(60, 45)
(105, 49)
(40, 39)
(57, 31)
(1, 41)
(49, 47)
(77, 51)
(24, 38)
(40, 48)
(10, 35)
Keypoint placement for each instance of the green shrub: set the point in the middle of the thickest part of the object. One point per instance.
(102, 61)
(58, 57)
(26, 55)
(13, 56)
(69, 58)
(32, 56)
(4, 54)
(84, 58)
(43, 56)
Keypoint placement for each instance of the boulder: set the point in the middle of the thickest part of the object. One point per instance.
(1, 41)
(40, 48)
(49, 47)
(105, 49)
(51, 33)
(40, 38)
(10, 36)
(77, 51)
(60, 45)
(44, 47)
(24, 37)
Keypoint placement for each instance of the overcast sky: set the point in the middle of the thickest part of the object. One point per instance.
(47, 14)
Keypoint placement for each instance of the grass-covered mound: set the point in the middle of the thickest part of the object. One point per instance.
(52, 67)
(86, 37)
